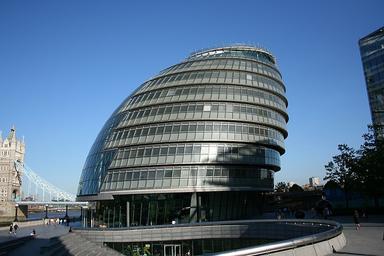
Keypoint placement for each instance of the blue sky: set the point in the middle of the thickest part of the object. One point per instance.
(66, 65)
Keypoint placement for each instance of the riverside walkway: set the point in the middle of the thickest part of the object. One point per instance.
(32, 247)
(51, 240)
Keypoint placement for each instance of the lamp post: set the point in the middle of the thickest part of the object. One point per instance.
(16, 208)
(46, 211)
(66, 211)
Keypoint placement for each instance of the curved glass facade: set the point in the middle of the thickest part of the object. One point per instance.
(209, 127)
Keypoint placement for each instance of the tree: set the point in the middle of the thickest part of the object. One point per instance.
(281, 187)
(341, 170)
(331, 185)
(296, 188)
(370, 166)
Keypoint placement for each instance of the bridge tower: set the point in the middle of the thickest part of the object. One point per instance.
(11, 150)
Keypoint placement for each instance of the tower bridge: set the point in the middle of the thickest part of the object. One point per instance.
(36, 188)
(21, 187)
(36, 191)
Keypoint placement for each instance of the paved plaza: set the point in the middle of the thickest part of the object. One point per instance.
(367, 241)
(32, 247)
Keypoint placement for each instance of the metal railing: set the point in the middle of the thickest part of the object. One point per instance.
(335, 230)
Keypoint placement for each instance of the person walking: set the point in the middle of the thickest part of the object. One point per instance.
(326, 212)
(356, 219)
(15, 227)
(11, 229)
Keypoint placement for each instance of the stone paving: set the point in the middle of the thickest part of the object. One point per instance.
(43, 234)
(55, 239)
(367, 241)
(41, 231)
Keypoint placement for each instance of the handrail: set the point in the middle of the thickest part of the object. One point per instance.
(285, 244)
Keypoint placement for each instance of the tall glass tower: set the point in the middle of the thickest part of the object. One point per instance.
(372, 55)
(198, 142)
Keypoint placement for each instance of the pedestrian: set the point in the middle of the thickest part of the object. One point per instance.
(11, 229)
(299, 214)
(313, 214)
(279, 214)
(363, 214)
(33, 233)
(15, 227)
(356, 219)
(326, 212)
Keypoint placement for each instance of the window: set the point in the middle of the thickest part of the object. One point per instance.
(176, 173)
(188, 149)
(155, 151)
(168, 129)
(172, 151)
(163, 151)
(168, 174)
(180, 150)
(147, 152)
(159, 174)
(136, 175)
(207, 108)
(184, 128)
(140, 152)
(145, 131)
(152, 131)
(176, 128)
(151, 175)
(160, 130)
(168, 110)
(137, 133)
(143, 175)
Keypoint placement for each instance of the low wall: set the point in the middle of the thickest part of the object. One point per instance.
(322, 248)
(24, 224)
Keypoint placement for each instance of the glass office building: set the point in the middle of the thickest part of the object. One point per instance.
(198, 142)
(372, 55)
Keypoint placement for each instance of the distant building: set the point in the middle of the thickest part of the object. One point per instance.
(11, 149)
(372, 56)
(314, 181)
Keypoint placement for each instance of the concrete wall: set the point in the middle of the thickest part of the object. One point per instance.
(318, 249)
(276, 231)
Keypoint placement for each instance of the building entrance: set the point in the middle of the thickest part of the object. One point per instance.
(172, 250)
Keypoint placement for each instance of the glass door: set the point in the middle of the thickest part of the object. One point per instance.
(172, 250)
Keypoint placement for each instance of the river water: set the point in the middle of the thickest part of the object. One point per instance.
(53, 214)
